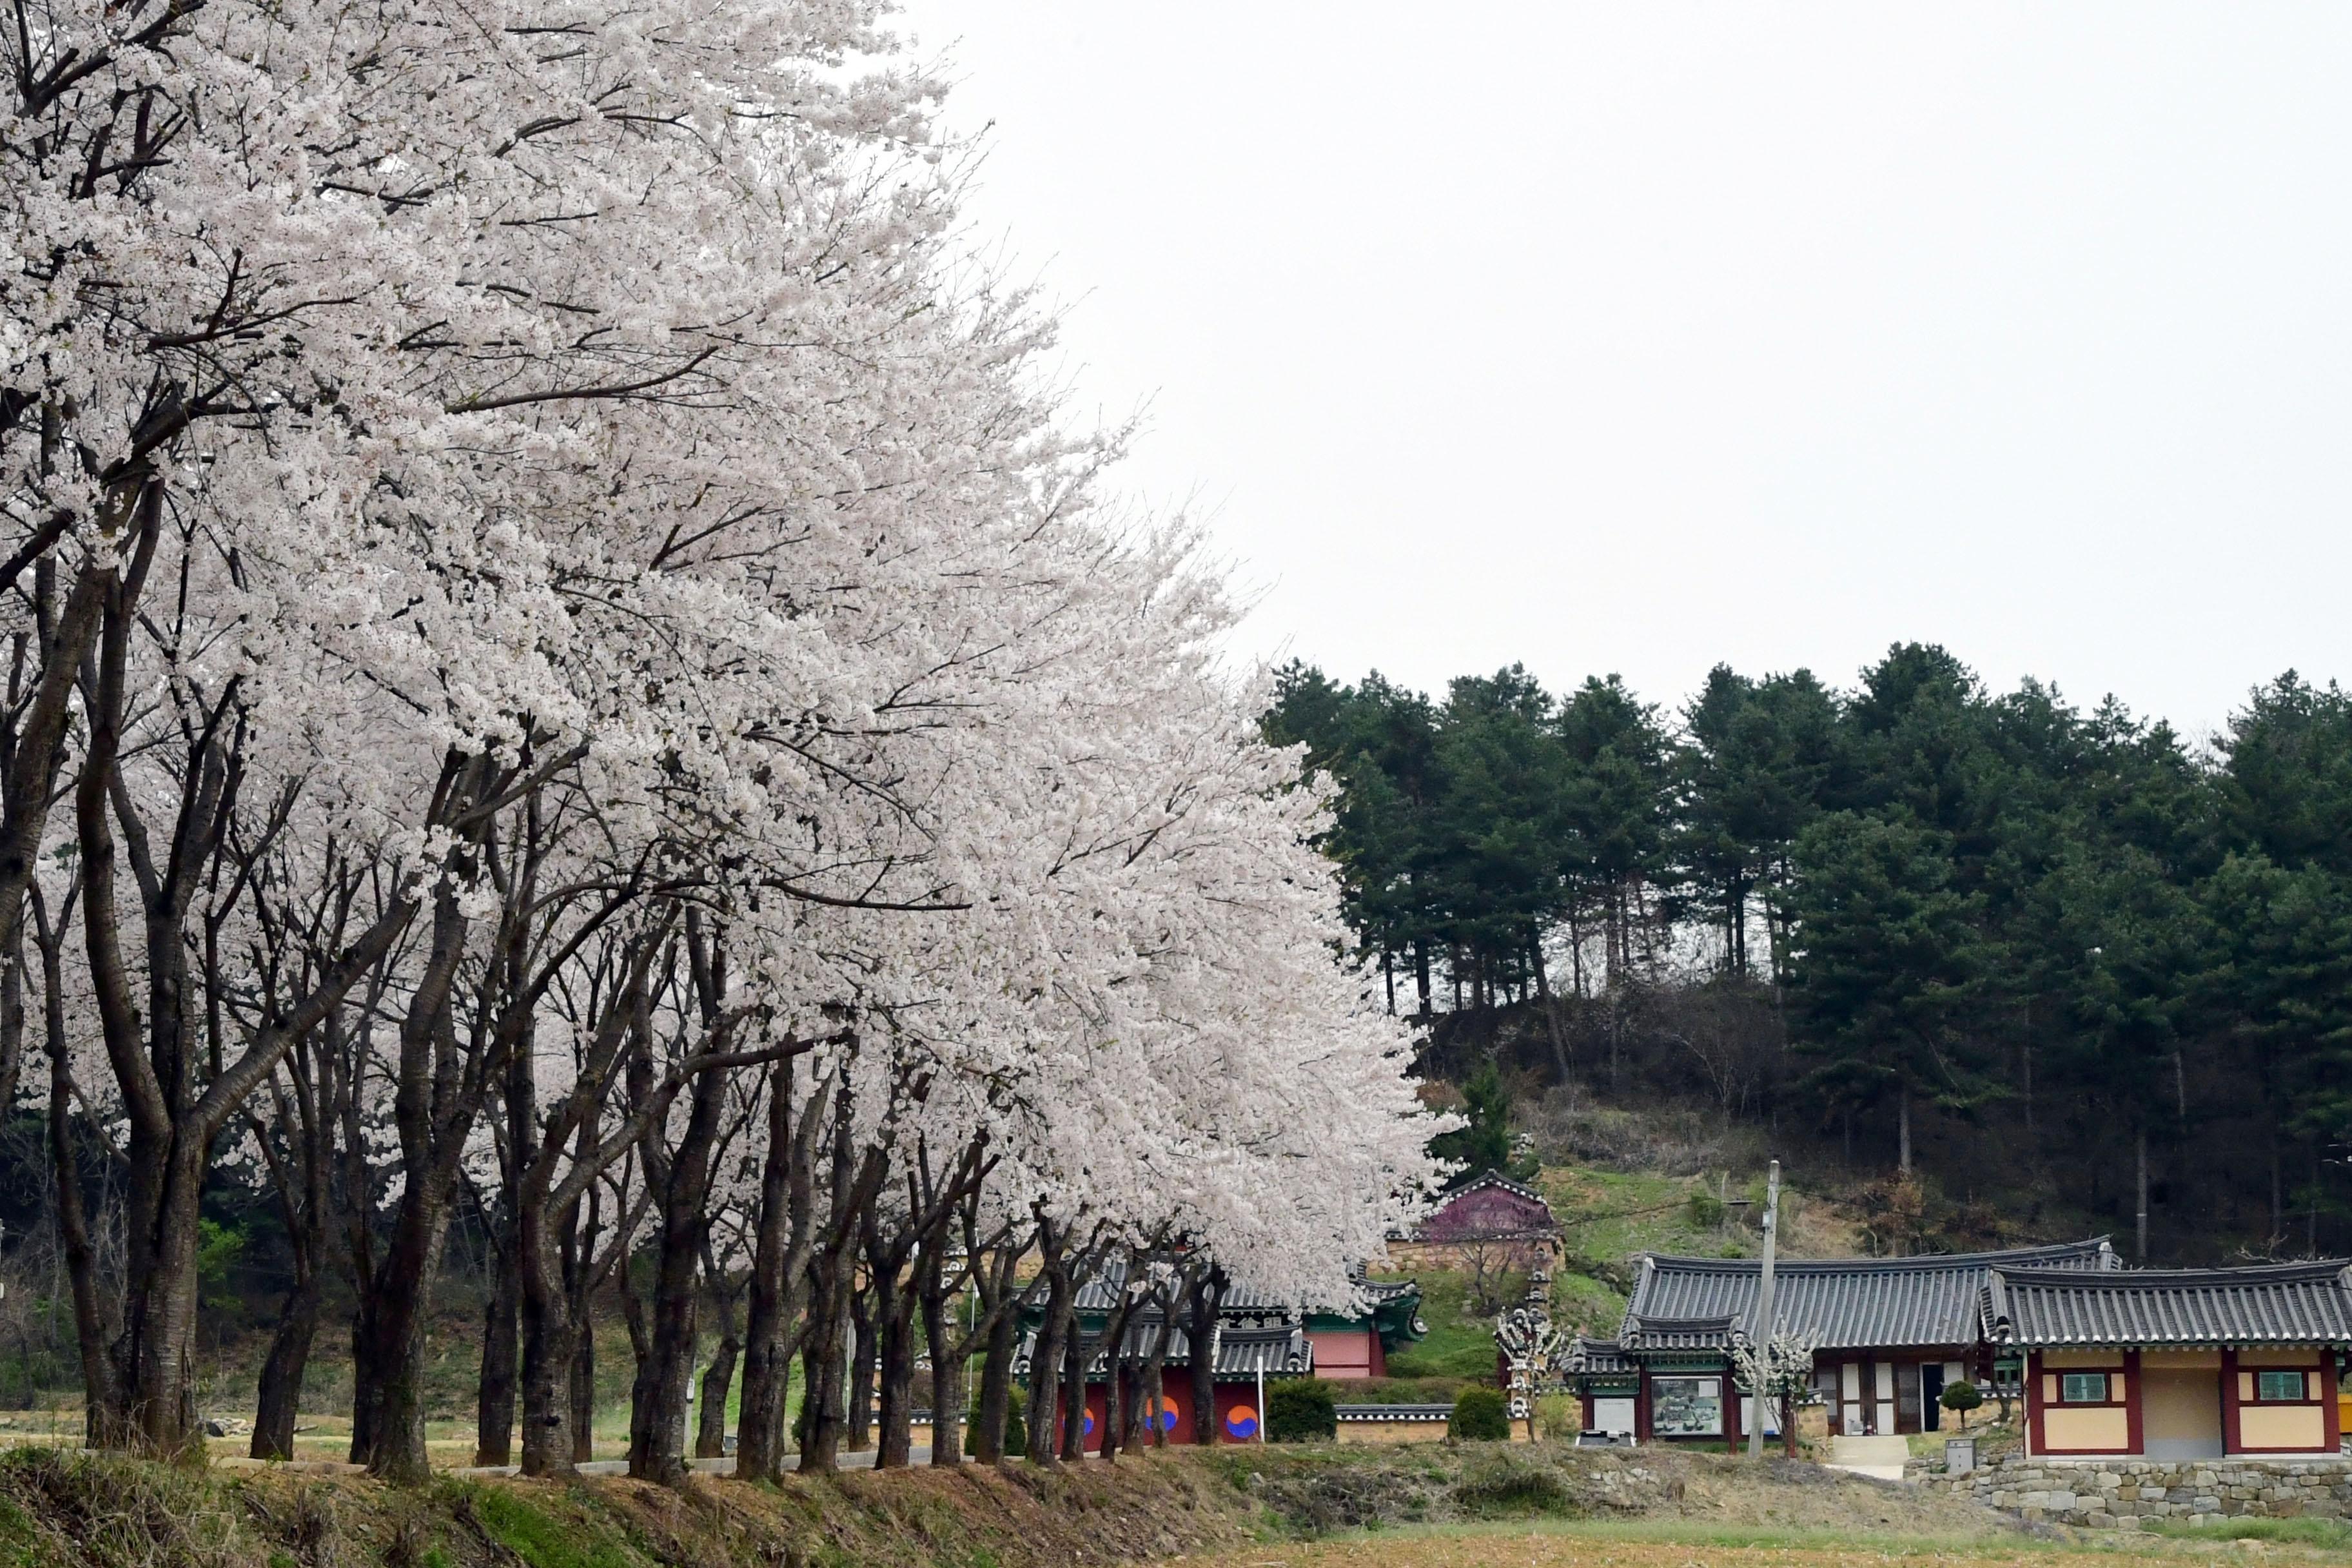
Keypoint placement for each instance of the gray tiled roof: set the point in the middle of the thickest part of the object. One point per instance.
(1842, 1303)
(2288, 1303)
(1646, 1333)
(1597, 1358)
(1280, 1351)
(1100, 1294)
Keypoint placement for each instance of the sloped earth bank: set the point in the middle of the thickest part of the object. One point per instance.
(1313, 1491)
(76, 1511)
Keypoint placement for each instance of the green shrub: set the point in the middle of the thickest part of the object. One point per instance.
(1559, 1415)
(1480, 1417)
(1016, 1431)
(1398, 1390)
(1298, 1410)
(1503, 1486)
(1960, 1398)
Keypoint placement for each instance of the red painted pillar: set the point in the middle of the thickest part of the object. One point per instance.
(2230, 1441)
(2132, 1439)
(2034, 1442)
(2332, 1409)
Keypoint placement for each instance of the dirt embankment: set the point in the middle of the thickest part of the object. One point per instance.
(1309, 1491)
(77, 1510)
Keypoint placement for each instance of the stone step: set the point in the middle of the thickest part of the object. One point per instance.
(1870, 1451)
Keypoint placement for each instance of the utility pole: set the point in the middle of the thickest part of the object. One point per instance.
(1763, 1325)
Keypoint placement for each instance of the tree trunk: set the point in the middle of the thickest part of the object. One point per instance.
(580, 1387)
(100, 1398)
(1201, 1340)
(280, 1395)
(494, 1403)
(1155, 1381)
(857, 1427)
(894, 1317)
(156, 1353)
(710, 1420)
(388, 1371)
(1077, 1352)
(1903, 1128)
(947, 1374)
(2139, 1224)
(658, 1400)
(990, 1421)
(1045, 1356)
(551, 1367)
(784, 1201)
(1551, 1009)
(825, 1407)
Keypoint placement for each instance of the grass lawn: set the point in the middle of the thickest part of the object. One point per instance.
(1548, 1543)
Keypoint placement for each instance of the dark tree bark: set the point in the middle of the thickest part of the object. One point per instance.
(1046, 1355)
(494, 1406)
(1077, 1352)
(1205, 1298)
(947, 1348)
(711, 1417)
(92, 1329)
(993, 1417)
(782, 1245)
(858, 1426)
(894, 1328)
(682, 1177)
(825, 1408)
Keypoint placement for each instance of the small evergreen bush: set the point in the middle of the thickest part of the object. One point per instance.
(1016, 1433)
(1480, 1417)
(1960, 1398)
(1298, 1410)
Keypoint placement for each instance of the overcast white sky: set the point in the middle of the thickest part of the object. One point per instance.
(1638, 337)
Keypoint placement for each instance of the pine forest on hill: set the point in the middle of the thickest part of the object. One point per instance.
(1996, 965)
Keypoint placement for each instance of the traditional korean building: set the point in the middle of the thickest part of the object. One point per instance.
(2177, 1364)
(1490, 1207)
(1259, 1341)
(1889, 1333)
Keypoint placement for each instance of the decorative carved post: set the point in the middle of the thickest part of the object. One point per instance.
(1530, 1347)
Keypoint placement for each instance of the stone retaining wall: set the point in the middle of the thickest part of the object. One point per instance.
(2120, 1493)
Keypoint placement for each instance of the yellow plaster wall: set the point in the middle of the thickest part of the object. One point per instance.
(2278, 1355)
(2080, 1360)
(2105, 1428)
(2180, 1361)
(1381, 1433)
(2283, 1426)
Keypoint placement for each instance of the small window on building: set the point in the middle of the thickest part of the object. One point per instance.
(2083, 1388)
(2280, 1387)
(1685, 1406)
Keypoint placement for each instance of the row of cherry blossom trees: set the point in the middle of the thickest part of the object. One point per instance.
(564, 666)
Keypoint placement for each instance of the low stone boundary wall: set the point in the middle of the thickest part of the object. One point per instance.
(2121, 1494)
(1368, 1424)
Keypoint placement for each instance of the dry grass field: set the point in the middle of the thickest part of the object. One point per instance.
(1545, 1545)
